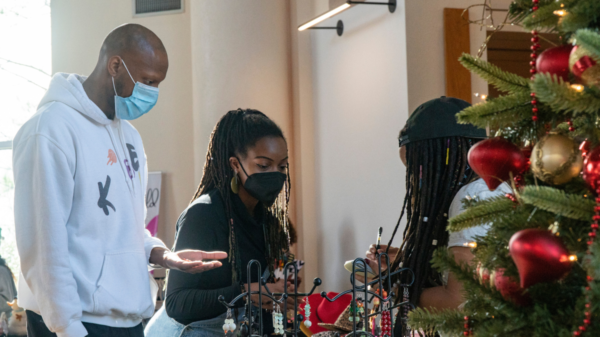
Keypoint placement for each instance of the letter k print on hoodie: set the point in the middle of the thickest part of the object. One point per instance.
(79, 215)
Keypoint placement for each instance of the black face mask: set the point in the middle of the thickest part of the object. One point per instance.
(265, 187)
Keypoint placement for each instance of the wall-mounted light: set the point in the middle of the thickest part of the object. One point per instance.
(339, 27)
(338, 6)
(324, 17)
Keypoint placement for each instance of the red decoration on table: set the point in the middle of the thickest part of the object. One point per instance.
(591, 169)
(324, 311)
(510, 289)
(555, 61)
(495, 159)
(539, 255)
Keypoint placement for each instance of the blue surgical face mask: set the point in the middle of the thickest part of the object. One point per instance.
(142, 99)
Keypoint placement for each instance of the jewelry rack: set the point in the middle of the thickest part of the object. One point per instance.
(254, 324)
(365, 289)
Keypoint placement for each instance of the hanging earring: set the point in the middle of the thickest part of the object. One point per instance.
(235, 187)
(386, 322)
(278, 320)
(229, 324)
(361, 313)
(275, 325)
(307, 322)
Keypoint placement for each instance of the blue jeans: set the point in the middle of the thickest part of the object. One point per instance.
(161, 325)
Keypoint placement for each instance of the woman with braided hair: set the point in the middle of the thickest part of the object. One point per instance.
(434, 149)
(240, 206)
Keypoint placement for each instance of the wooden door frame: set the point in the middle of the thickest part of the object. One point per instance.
(457, 40)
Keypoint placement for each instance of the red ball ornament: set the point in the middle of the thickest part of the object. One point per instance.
(495, 159)
(539, 256)
(510, 289)
(591, 169)
(555, 61)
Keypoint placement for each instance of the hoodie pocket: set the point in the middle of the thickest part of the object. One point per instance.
(123, 288)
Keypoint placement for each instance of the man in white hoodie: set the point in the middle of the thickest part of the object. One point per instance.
(80, 180)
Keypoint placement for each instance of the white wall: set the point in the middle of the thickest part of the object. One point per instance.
(241, 59)
(360, 104)
(303, 168)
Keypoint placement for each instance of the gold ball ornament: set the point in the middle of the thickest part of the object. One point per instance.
(485, 277)
(556, 159)
(585, 66)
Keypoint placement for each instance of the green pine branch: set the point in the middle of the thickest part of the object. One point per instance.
(492, 249)
(498, 112)
(520, 9)
(560, 96)
(543, 18)
(590, 40)
(585, 127)
(481, 213)
(558, 202)
(442, 259)
(480, 298)
(499, 78)
(580, 14)
(448, 321)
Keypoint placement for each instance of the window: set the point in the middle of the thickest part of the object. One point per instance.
(25, 58)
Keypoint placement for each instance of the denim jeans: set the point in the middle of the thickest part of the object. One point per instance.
(37, 328)
(161, 325)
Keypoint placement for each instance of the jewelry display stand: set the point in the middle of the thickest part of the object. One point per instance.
(385, 301)
(252, 324)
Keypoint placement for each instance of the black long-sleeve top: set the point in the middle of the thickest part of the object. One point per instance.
(204, 226)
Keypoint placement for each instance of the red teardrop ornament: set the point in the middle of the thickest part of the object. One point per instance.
(539, 255)
(495, 159)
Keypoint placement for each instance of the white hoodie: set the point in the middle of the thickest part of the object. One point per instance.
(79, 214)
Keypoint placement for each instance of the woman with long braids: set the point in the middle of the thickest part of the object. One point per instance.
(241, 207)
(434, 148)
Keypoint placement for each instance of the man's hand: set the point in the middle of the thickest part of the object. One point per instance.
(189, 261)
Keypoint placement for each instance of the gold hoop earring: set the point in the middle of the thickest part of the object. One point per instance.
(235, 187)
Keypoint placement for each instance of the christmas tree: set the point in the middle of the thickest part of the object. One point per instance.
(537, 271)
